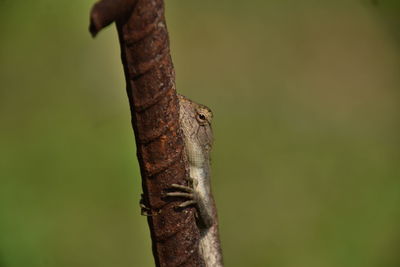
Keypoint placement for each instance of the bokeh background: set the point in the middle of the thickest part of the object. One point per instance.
(306, 159)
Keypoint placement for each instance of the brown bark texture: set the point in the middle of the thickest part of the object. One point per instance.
(150, 85)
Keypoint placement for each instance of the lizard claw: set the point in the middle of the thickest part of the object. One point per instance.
(180, 194)
(188, 193)
(145, 210)
(183, 188)
(187, 203)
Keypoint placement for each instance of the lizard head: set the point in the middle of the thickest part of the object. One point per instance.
(195, 120)
(204, 131)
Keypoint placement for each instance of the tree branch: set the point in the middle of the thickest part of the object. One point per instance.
(150, 85)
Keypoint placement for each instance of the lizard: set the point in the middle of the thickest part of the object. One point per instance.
(195, 122)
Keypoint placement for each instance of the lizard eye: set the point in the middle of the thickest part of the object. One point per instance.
(202, 117)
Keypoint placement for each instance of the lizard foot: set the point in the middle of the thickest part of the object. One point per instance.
(188, 194)
(145, 210)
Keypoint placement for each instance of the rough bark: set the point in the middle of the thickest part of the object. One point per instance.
(150, 85)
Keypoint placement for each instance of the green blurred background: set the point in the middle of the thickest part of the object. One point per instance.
(306, 159)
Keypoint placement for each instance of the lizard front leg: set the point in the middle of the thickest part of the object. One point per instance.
(193, 197)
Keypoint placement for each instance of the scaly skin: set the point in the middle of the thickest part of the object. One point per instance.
(195, 121)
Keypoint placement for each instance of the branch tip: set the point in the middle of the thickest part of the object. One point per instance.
(105, 12)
